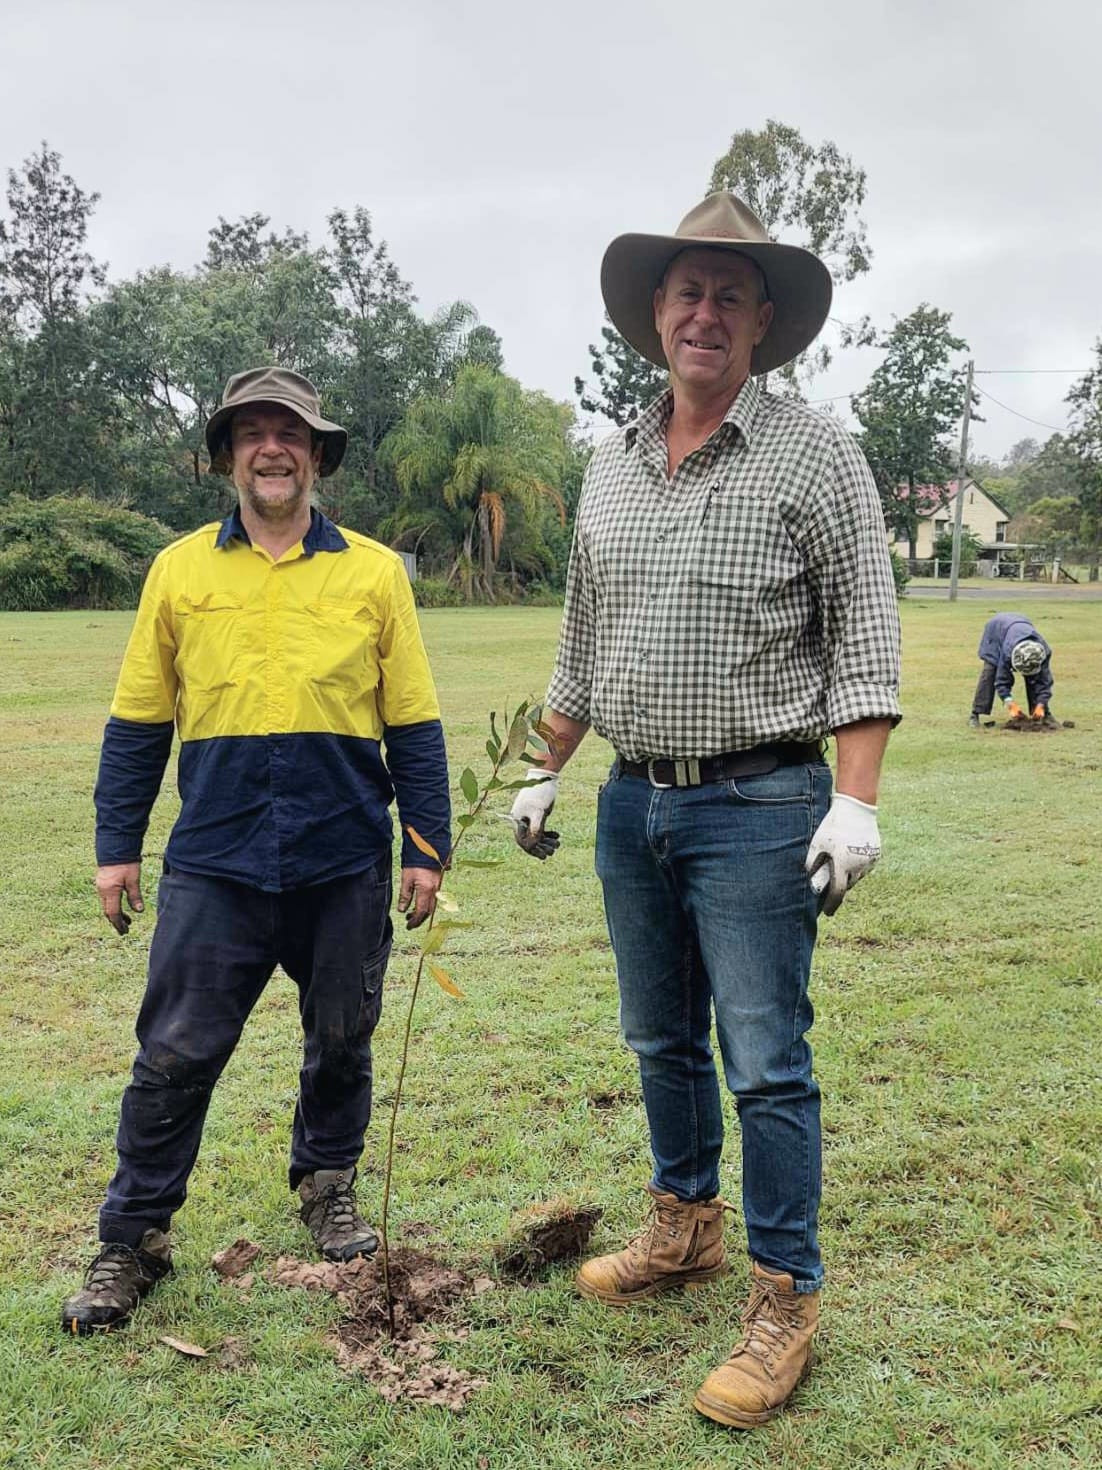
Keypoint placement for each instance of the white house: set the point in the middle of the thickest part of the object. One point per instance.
(981, 514)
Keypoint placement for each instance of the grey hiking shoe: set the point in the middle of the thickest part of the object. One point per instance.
(115, 1283)
(973, 722)
(329, 1213)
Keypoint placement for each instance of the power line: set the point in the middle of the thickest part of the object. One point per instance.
(1056, 429)
(990, 372)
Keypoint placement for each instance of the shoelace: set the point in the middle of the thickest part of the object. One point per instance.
(108, 1266)
(768, 1325)
(659, 1217)
(339, 1206)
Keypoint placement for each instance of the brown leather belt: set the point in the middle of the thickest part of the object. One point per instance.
(697, 771)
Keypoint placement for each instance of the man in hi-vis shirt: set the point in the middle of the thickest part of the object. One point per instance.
(286, 653)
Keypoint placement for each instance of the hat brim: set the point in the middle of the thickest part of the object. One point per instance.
(799, 285)
(334, 439)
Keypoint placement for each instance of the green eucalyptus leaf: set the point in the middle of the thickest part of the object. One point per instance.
(465, 820)
(479, 862)
(468, 783)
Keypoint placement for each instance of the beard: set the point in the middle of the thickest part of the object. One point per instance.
(284, 506)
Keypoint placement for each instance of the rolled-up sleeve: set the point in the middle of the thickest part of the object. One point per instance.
(852, 578)
(571, 686)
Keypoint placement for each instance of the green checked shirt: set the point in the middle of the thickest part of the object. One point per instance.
(746, 600)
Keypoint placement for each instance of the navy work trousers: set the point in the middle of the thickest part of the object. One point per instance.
(214, 949)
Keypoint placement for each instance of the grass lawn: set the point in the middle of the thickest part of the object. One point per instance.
(958, 1043)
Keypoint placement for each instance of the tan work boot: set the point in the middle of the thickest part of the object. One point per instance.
(681, 1246)
(773, 1357)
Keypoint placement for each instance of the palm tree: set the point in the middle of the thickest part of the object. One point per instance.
(468, 463)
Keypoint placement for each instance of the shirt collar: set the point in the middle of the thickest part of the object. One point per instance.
(652, 422)
(323, 535)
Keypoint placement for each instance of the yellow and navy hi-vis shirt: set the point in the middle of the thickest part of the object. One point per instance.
(284, 679)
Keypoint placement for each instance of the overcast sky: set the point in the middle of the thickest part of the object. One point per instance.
(499, 147)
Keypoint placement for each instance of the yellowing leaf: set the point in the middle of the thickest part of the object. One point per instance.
(421, 845)
(433, 939)
(188, 1349)
(518, 736)
(445, 982)
(447, 903)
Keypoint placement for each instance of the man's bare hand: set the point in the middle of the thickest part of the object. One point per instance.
(112, 882)
(418, 888)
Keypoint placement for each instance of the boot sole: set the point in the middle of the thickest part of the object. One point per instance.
(665, 1283)
(74, 1327)
(731, 1418)
(365, 1253)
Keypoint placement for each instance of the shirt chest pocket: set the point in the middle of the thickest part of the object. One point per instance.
(742, 544)
(208, 632)
(342, 637)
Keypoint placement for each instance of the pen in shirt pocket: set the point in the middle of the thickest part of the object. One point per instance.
(708, 503)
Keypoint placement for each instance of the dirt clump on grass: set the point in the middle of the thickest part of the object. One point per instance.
(1038, 727)
(406, 1366)
(236, 1259)
(545, 1233)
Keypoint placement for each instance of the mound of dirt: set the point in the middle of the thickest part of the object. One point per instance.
(422, 1288)
(554, 1230)
(1038, 727)
(406, 1366)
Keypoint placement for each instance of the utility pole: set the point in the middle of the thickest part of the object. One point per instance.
(954, 570)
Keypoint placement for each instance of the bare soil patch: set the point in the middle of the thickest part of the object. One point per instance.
(407, 1366)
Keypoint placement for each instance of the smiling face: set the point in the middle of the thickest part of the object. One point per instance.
(275, 461)
(710, 314)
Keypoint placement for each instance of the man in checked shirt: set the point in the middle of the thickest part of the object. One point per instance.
(729, 605)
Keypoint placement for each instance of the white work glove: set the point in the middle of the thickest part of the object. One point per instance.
(845, 846)
(531, 810)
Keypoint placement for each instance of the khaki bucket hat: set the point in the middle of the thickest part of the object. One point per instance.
(797, 282)
(289, 390)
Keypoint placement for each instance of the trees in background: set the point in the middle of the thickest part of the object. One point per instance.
(54, 415)
(1085, 440)
(479, 468)
(105, 388)
(912, 402)
(625, 381)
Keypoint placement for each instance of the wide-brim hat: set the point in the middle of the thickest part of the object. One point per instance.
(797, 282)
(288, 390)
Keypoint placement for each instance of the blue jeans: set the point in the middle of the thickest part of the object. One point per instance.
(708, 904)
(214, 949)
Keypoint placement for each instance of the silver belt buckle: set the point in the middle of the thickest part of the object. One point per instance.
(658, 785)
